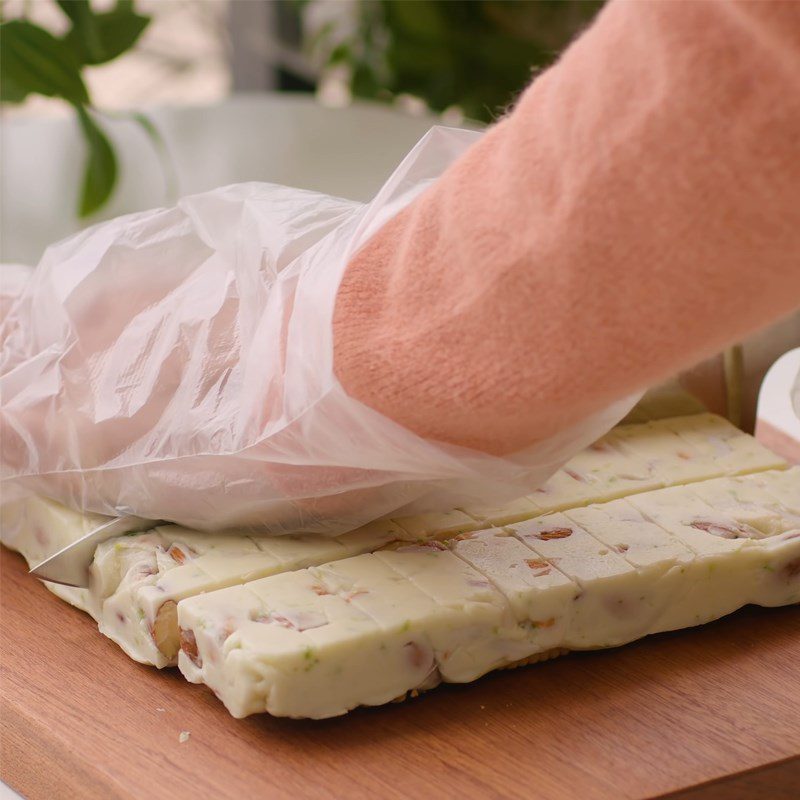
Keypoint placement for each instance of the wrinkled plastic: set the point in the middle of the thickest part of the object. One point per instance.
(177, 364)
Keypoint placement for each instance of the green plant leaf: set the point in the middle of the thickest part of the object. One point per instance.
(34, 61)
(10, 90)
(99, 38)
(340, 54)
(76, 10)
(474, 54)
(83, 21)
(100, 173)
(424, 19)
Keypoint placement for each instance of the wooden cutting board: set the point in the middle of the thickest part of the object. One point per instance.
(718, 704)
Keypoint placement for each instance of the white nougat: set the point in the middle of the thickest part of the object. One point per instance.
(146, 576)
(138, 580)
(318, 642)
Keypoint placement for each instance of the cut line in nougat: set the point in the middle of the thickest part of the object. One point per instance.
(364, 630)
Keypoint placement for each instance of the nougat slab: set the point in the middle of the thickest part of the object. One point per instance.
(318, 642)
(137, 580)
(140, 614)
(717, 439)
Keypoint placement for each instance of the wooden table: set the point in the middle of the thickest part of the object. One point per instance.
(711, 714)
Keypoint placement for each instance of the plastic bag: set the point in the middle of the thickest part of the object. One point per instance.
(178, 364)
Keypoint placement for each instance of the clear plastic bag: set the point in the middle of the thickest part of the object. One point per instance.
(178, 364)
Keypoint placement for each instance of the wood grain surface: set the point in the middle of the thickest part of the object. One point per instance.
(703, 714)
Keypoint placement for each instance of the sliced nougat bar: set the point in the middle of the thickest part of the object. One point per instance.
(467, 605)
(694, 448)
(732, 556)
(624, 530)
(770, 509)
(638, 458)
(603, 471)
(129, 571)
(140, 615)
(617, 600)
(717, 439)
(348, 634)
(536, 591)
(318, 642)
(138, 580)
(713, 571)
(38, 527)
(783, 486)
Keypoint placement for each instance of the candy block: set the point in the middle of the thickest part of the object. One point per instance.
(617, 601)
(471, 606)
(139, 580)
(770, 510)
(639, 458)
(601, 472)
(624, 530)
(714, 437)
(346, 634)
(432, 632)
(783, 486)
(666, 453)
(730, 555)
(318, 642)
(702, 528)
(536, 591)
(38, 527)
(694, 448)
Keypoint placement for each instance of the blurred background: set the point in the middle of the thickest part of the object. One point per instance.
(152, 93)
(114, 106)
(471, 56)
